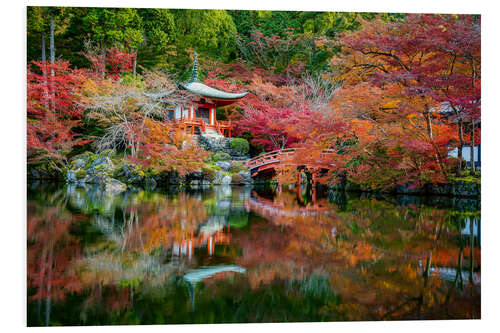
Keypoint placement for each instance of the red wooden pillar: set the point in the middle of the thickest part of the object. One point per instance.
(212, 116)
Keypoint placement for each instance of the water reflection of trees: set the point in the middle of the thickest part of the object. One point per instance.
(119, 258)
(51, 252)
(385, 261)
(139, 239)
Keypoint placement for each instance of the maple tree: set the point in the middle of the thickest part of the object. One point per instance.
(133, 122)
(404, 62)
(111, 63)
(269, 52)
(53, 110)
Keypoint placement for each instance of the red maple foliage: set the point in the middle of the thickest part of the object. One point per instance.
(52, 108)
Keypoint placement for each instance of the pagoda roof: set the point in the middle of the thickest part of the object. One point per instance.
(196, 87)
(201, 89)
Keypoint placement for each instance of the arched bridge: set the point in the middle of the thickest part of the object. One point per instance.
(272, 160)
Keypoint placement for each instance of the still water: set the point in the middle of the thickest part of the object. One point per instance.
(242, 254)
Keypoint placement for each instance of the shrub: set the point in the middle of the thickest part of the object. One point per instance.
(221, 156)
(239, 145)
(85, 156)
(236, 167)
(236, 178)
(208, 174)
(108, 153)
(80, 174)
(238, 220)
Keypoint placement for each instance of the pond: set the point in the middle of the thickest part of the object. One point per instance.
(241, 254)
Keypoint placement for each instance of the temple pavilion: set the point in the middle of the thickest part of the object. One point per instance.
(200, 117)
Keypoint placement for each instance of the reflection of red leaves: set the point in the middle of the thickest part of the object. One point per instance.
(52, 252)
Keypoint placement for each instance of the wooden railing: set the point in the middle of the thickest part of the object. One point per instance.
(222, 127)
(269, 157)
(224, 123)
(278, 156)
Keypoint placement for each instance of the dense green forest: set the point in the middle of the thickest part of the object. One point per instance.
(166, 38)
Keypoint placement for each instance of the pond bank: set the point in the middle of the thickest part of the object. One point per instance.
(456, 188)
(114, 174)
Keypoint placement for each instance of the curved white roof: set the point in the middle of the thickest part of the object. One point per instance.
(206, 91)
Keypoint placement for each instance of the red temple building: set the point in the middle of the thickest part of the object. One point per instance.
(200, 117)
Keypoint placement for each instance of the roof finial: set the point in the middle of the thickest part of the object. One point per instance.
(194, 76)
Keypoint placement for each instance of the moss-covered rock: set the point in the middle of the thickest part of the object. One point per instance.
(236, 179)
(220, 156)
(80, 174)
(236, 167)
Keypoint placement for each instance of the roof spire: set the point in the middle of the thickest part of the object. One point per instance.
(194, 76)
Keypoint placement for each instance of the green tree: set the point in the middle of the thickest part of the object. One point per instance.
(159, 36)
(211, 33)
(106, 28)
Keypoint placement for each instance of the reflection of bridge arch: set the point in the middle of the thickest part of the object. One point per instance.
(194, 276)
(269, 208)
(271, 161)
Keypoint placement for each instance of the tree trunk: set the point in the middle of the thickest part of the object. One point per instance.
(472, 164)
(44, 58)
(103, 61)
(134, 63)
(52, 61)
(437, 154)
(471, 263)
(52, 47)
(428, 123)
(45, 96)
(460, 147)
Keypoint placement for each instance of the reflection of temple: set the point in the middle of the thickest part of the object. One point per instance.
(473, 228)
(216, 229)
(185, 248)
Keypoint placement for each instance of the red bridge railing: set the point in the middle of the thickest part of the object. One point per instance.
(278, 156)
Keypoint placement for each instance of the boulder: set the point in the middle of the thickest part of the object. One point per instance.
(150, 183)
(218, 178)
(224, 165)
(105, 161)
(198, 174)
(78, 163)
(85, 157)
(246, 178)
(71, 176)
(98, 178)
(226, 180)
(114, 186)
